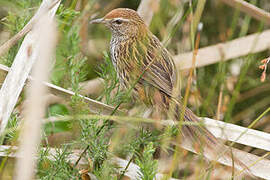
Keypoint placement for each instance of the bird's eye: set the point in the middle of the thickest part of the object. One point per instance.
(118, 21)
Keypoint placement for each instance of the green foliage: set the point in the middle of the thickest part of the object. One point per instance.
(93, 135)
(68, 70)
(148, 166)
(143, 138)
(57, 167)
(65, 16)
(11, 132)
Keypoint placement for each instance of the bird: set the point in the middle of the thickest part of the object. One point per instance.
(146, 67)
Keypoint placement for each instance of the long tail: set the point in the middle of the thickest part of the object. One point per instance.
(203, 141)
(195, 135)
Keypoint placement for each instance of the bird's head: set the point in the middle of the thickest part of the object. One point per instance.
(123, 22)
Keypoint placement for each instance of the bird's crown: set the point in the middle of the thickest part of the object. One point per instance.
(123, 13)
(123, 22)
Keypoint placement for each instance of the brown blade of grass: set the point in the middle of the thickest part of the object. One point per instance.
(249, 9)
(253, 92)
(20, 69)
(35, 109)
(179, 138)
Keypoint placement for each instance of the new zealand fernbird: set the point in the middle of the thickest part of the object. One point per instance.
(145, 65)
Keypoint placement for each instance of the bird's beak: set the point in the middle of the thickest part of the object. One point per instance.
(98, 21)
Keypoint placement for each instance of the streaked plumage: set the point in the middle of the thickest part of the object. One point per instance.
(139, 58)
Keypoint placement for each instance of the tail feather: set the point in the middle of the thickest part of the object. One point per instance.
(210, 146)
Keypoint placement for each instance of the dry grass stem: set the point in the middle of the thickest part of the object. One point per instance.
(231, 132)
(220, 97)
(36, 106)
(225, 51)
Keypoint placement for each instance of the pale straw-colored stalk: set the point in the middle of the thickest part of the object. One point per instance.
(35, 108)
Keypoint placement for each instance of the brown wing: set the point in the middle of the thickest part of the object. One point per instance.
(161, 72)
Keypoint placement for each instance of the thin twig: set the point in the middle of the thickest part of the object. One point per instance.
(81, 155)
(126, 168)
